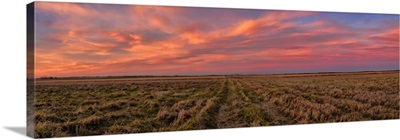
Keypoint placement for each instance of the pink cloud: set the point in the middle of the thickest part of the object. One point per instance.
(79, 40)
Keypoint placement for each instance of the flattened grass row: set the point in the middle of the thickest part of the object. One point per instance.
(67, 108)
(333, 98)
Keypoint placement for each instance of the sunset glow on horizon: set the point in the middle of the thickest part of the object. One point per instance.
(77, 39)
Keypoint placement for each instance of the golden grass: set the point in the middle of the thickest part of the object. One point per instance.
(110, 106)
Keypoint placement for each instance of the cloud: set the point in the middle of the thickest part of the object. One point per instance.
(95, 39)
(62, 8)
(390, 37)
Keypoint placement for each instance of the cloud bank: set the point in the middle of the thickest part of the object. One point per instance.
(99, 40)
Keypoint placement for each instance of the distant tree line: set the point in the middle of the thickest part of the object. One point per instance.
(48, 77)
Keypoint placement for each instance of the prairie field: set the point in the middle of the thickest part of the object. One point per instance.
(76, 107)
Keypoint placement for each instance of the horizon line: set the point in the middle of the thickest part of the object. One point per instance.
(186, 75)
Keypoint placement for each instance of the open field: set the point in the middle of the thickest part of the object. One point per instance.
(116, 106)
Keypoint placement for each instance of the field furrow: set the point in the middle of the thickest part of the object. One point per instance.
(107, 106)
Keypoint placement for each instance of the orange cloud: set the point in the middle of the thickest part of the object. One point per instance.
(126, 37)
(390, 37)
(157, 50)
(204, 59)
(63, 8)
(339, 42)
(79, 40)
(248, 27)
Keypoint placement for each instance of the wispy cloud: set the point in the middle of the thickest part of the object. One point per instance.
(95, 39)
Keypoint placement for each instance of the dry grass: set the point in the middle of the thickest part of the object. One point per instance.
(93, 107)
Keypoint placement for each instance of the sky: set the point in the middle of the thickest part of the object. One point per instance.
(78, 39)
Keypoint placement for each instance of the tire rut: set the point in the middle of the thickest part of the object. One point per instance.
(240, 109)
(205, 113)
(275, 117)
